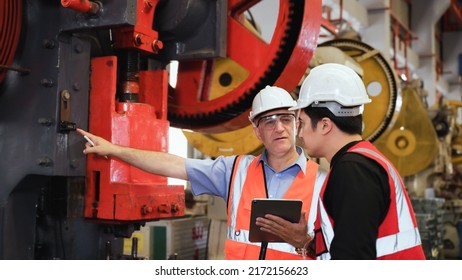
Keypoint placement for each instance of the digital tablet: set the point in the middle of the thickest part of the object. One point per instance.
(288, 209)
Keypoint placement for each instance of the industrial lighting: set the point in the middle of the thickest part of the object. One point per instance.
(403, 77)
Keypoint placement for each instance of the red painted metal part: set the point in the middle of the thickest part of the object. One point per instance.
(10, 24)
(83, 6)
(299, 60)
(116, 191)
(140, 36)
(191, 96)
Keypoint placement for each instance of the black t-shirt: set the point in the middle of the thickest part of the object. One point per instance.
(357, 197)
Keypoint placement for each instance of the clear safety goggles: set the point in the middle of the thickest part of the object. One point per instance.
(270, 122)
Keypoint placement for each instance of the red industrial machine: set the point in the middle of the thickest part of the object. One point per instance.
(103, 66)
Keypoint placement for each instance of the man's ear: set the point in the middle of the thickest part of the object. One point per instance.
(257, 133)
(326, 124)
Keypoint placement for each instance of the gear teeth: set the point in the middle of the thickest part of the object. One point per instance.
(244, 101)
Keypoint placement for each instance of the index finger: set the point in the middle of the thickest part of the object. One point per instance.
(83, 132)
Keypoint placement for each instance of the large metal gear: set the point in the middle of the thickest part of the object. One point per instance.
(281, 62)
(380, 81)
(411, 143)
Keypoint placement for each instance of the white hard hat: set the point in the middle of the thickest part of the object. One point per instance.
(334, 86)
(270, 98)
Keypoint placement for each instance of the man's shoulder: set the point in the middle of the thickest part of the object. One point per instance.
(246, 160)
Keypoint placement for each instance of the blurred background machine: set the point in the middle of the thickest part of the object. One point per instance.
(126, 70)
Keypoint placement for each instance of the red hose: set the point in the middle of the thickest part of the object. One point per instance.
(10, 24)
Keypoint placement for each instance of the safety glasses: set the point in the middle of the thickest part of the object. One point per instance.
(270, 122)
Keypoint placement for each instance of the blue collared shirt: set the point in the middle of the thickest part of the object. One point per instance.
(213, 176)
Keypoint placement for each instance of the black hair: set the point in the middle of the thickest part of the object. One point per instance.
(349, 125)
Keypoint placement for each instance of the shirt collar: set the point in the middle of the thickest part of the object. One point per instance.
(342, 151)
(300, 162)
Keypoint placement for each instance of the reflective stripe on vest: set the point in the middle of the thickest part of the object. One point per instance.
(397, 242)
(237, 179)
(243, 237)
(249, 169)
(406, 220)
(324, 240)
(408, 235)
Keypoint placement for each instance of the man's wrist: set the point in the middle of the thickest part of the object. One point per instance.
(303, 251)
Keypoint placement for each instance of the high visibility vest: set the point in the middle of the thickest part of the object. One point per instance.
(247, 183)
(398, 235)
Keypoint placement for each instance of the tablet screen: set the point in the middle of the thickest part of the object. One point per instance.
(288, 209)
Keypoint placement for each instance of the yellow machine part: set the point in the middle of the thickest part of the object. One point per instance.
(457, 146)
(411, 143)
(456, 143)
(237, 142)
(376, 111)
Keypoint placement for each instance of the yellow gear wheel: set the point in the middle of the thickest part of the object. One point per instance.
(411, 143)
(237, 142)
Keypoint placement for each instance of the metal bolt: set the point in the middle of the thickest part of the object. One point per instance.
(76, 86)
(78, 48)
(175, 208)
(45, 121)
(48, 44)
(157, 45)
(137, 40)
(66, 95)
(47, 82)
(45, 162)
(146, 209)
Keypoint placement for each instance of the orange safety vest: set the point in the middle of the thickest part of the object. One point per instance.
(398, 235)
(247, 183)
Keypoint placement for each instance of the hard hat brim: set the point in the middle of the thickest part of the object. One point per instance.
(299, 106)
